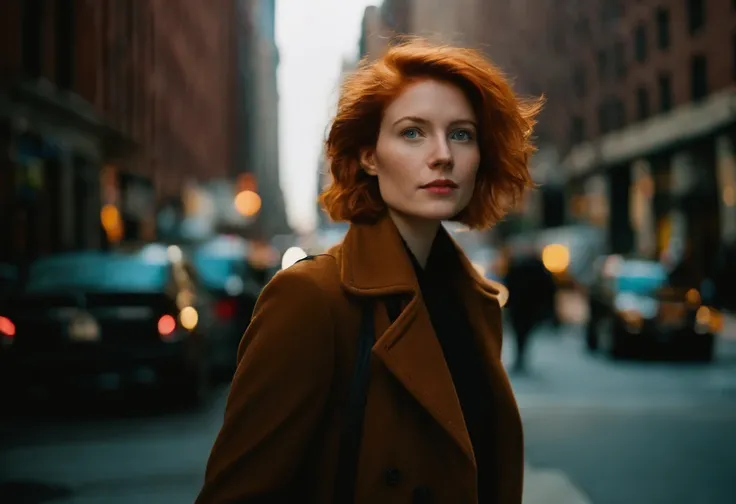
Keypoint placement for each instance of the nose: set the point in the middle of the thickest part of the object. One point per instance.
(441, 154)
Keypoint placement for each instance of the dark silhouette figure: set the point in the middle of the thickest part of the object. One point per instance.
(532, 291)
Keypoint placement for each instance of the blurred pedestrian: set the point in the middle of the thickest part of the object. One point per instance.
(532, 291)
(372, 373)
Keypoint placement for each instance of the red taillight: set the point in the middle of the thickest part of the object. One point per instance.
(225, 308)
(166, 325)
(7, 328)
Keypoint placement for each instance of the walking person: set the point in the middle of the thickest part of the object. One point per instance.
(532, 290)
(372, 374)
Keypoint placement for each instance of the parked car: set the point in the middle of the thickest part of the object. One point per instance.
(634, 310)
(234, 283)
(111, 320)
(8, 281)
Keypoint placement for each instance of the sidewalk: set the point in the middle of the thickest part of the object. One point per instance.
(551, 486)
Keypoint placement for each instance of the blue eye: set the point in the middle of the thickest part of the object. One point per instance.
(461, 135)
(410, 133)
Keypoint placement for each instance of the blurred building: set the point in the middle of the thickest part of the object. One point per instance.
(637, 136)
(103, 108)
(440, 21)
(653, 125)
(257, 112)
(110, 111)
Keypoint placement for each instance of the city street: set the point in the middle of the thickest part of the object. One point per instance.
(596, 432)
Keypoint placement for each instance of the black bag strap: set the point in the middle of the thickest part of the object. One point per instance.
(351, 435)
(352, 429)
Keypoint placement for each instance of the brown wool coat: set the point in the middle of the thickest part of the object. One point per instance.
(282, 422)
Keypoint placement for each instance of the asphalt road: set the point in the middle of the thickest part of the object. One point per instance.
(634, 432)
(597, 432)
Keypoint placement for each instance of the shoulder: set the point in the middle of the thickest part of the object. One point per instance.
(321, 270)
(299, 300)
(320, 267)
(310, 279)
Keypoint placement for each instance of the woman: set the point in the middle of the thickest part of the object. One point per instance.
(425, 134)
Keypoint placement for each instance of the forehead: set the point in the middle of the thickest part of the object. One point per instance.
(431, 100)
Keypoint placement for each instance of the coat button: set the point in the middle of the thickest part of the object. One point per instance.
(421, 495)
(392, 476)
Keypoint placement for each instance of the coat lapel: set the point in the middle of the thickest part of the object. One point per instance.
(375, 263)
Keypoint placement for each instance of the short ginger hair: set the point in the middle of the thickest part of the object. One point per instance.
(505, 124)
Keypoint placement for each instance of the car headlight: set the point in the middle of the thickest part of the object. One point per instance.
(708, 320)
(632, 318)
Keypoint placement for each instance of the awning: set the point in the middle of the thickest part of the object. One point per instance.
(682, 125)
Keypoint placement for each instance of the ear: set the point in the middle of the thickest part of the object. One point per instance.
(368, 161)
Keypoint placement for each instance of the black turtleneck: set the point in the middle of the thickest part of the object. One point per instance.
(455, 334)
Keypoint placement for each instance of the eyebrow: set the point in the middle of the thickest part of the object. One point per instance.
(420, 120)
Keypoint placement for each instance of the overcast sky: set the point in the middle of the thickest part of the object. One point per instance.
(313, 38)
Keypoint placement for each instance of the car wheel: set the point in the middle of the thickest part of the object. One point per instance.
(193, 390)
(703, 350)
(591, 336)
(608, 339)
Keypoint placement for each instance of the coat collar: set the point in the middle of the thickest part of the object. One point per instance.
(375, 262)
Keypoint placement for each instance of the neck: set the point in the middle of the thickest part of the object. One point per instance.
(418, 234)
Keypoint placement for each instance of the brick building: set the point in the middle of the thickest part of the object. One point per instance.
(110, 103)
(653, 126)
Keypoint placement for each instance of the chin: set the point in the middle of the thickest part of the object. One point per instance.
(437, 212)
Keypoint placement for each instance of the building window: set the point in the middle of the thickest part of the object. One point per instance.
(602, 119)
(579, 81)
(665, 92)
(663, 28)
(640, 43)
(619, 114)
(619, 58)
(577, 130)
(698, 77)
(64, 31)
(611, 11)
(32, 37)
(695, 15)
(642, 103)
(611, 115)
(602, 65)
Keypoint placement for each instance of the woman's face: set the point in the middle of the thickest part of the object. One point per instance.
(427, 155)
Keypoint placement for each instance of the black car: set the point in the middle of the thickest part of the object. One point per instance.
(8, 280)
(110, 320)
(234, 283)
(635, 310)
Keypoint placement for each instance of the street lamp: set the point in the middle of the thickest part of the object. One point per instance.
(247, 203)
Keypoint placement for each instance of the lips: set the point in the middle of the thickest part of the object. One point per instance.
(440, 183)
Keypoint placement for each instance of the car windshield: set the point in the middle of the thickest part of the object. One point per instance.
(97, 272)
(641, 277)
(216, 271)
